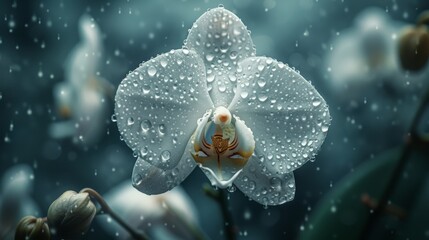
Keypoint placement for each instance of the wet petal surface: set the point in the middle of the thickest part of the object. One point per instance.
(264, 186)
(158, 104)
(286, 114)
(150, 179)
(221, 40)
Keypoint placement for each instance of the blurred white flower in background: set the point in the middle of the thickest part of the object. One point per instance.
(83, 97)
(170, 215)
(245, 120)
(15, 198)
(364, 53)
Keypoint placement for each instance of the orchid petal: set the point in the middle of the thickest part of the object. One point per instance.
(150, 179)
(286, 114)
(265, 187)
(221, 40)
(158, 103)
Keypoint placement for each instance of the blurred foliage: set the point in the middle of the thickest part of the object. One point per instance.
(343, 212)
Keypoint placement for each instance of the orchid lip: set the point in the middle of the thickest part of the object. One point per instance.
(216, 181)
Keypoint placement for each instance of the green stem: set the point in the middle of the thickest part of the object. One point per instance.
(412, 140)
(106, 208)
(220, 197)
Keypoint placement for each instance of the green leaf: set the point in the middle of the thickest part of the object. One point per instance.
(341, 214)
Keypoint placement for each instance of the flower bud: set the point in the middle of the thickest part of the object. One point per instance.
(32, 228)
(71, 214)
(414, 48)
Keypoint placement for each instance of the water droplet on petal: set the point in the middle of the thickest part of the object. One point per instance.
(252, 185)
(276, 184)
(244, 94)
(325, 128)
(261, 82)
(137, 180)
(113, 118)
(164, 63)
(151, 71)
(144, 151)
(146, 89)
(162, 129)
(210, 78)
(165, 156)
(209, 57)
(316, 102)
(145, 125)
(130, 121)
(262, 97)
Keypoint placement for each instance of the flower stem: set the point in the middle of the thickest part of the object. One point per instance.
(220, 197)
(105, 207)
(413, 139)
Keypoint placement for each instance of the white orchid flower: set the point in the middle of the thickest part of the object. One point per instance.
(365, 52)
(82, 96)
(15, 198)
(243, 119)
(170, 215)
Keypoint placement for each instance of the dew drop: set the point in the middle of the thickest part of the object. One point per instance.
(162, 129)
(276, 184)
(262, 97)
(316, 102)
(210, 78)
(145, 125)
(233, 55)
(144, 151)
(325, 128)
(151, 71)
(163, 63)
(113, 118)
(261, 67)
(209, 57)
(244, 94)
(146, 89)
(252, 185)
(137, 179)
(222, 88)
(261, 82)
(304, 142)
(232, 78)
(130, 121)
(165, 155)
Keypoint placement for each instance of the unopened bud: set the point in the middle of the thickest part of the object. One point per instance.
(32, 228)
(414, 48)
(71, 214)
